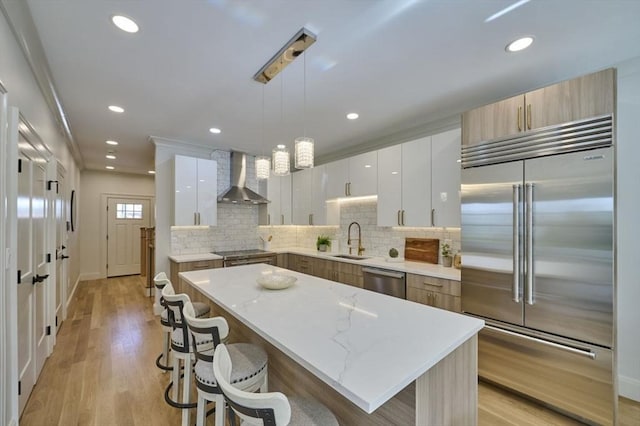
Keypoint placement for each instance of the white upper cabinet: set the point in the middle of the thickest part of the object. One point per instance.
(309, 195)
(404, 184)
(279, 193)
(319, 181)
(445, 178)
(419, 182)
(354, 176)
(195, 191)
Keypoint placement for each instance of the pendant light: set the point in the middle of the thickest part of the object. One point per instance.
(303, 145)
(263, 163)
(280, 155)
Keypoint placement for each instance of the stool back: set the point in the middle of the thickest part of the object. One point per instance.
(175, 304)
(214, 329)
(263, 409)
(161, 280)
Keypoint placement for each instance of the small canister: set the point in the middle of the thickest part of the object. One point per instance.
(457, 261)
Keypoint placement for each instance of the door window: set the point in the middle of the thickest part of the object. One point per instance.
(128, 211)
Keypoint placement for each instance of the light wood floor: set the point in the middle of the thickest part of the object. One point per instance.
(102, 371)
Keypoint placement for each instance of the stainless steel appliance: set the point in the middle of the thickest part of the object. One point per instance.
(537, 238)
(384, 281)
(246, 257)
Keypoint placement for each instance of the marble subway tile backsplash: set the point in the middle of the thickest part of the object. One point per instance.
(237, 229)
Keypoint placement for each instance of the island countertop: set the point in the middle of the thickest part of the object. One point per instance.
(365, 345)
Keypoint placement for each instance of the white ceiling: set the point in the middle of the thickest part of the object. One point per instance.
(399, 63)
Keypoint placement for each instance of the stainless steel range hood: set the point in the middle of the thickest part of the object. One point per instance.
(238, 193)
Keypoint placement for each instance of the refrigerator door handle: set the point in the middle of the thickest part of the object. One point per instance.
(529, 243)
(583, 352)
(516, 243)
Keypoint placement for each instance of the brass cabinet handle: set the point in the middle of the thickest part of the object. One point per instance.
(519, 118)
(268, 219)
(399, 220)
(402, 217)
(281, 219)
(346, 191)
(433, 217)
(310, 218)
(529, 116)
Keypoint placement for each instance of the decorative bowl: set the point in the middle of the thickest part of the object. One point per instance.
(276, 281)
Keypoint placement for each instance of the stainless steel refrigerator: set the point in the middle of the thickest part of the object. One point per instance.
(538, 264)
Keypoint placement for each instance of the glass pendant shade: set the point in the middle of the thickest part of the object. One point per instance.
(280, 161)
(263, 164)
(304, 153)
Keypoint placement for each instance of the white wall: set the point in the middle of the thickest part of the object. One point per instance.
(24, 93)
(628, 230)
(93, 184)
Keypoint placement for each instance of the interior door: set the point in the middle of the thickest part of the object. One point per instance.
(32, 267)
(61, 252)
(572, 237)
(491, 241)
(125, 217)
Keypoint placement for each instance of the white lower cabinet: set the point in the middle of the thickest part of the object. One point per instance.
(279, 193)
(419, 182)
(195, 191)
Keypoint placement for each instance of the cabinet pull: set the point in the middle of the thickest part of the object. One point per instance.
(349, 188)
(433, 217)
(281, 219)
(529, 116)
(399, 220)
(268, 218)
(346, 191)
(402, 217)
(195, 218)
(310, 218)
(519, 118)
(432, 284)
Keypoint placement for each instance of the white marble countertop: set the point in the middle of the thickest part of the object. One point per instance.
(181, 258)
(365, 345)
(420, 268)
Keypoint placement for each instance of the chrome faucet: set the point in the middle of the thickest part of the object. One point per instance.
(360, 248)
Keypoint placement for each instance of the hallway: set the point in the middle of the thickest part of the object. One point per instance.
(102, 370)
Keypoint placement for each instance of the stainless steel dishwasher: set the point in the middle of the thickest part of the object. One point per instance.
(385, 281)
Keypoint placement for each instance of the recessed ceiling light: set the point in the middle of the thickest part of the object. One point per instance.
(115, 108)
(352, 116)
(109, 167)
(152, 172)
(110, 156)
(111, 142)
(124, 23)
(519, 44)
(215, 130)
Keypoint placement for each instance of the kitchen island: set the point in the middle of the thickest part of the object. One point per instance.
(371, 358)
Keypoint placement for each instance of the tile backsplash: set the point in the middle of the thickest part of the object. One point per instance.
(237, 229)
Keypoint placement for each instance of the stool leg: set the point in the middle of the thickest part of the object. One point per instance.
(175, 378)
(219, 400)
(186, 390)
(165, 349)
(201, 410)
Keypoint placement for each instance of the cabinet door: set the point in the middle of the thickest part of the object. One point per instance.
(318, 193)
(363, 174)
(185, 186)
(273, 195)
(493, 121)
(416, 182)
(337, 178)
(390, 186)
(301, 197)
(285, 200)
(583, 97)
(445, 178)
(207, 190)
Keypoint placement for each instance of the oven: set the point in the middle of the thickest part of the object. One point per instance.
(247, 257)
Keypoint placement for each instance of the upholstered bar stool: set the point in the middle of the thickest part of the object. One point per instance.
(249, 364)
(272, 408)
(202, 309)
(182, 350)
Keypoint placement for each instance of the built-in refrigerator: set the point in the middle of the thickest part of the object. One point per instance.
(538, 264)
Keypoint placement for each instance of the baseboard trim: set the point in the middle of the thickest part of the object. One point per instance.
(73, 291)
(629, 388)
(13, 422)
(90, 276)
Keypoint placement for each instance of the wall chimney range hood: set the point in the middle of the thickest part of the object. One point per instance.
(238, 193)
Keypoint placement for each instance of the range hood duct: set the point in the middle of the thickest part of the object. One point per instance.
(238, 193)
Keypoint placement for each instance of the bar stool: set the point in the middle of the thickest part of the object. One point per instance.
(250, 364)
(202, 309)
(272, 408)
(182, 350)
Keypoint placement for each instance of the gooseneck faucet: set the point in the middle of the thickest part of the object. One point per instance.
(360, 248)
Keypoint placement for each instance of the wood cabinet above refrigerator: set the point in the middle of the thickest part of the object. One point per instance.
(583, 97)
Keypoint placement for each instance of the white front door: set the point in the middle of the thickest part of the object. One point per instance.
(32, 266)
(125, 217)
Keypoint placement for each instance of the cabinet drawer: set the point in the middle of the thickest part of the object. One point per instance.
(435, 299)
(200, 264)
(439, 285)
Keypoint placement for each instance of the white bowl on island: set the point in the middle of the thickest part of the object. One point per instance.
(276, 281)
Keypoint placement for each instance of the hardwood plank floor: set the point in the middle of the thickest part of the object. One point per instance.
(102, 371)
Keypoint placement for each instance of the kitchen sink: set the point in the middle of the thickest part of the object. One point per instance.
(349, 256)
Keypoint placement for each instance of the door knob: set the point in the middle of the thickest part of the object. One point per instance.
(39, 278)
(64, 257)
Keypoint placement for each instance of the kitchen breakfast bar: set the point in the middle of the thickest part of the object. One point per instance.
(372, 359)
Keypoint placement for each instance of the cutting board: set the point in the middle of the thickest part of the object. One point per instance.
(422, 249)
